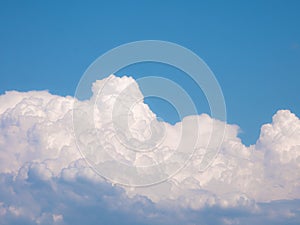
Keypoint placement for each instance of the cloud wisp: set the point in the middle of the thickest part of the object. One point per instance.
(44, 178)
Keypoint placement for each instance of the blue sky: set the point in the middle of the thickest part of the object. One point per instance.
(253, 47)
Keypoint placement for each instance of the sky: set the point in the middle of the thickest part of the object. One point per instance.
(253, 49)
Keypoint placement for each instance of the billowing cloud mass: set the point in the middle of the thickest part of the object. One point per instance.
(45, 180)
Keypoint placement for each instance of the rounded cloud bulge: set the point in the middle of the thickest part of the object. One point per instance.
(41, 152)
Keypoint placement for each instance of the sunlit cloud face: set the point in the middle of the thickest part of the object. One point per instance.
(45, 179)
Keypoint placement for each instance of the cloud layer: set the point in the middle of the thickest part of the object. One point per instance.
(45, 180)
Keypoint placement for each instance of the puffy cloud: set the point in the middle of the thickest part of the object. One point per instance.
(44, 178)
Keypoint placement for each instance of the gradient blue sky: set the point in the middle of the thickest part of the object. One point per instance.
(253, 47)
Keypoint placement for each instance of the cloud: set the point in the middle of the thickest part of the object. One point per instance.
(45, 180)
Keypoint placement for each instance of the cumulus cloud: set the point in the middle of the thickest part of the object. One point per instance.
(45, 180)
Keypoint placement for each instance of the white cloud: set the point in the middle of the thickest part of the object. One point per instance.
(40, 163)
